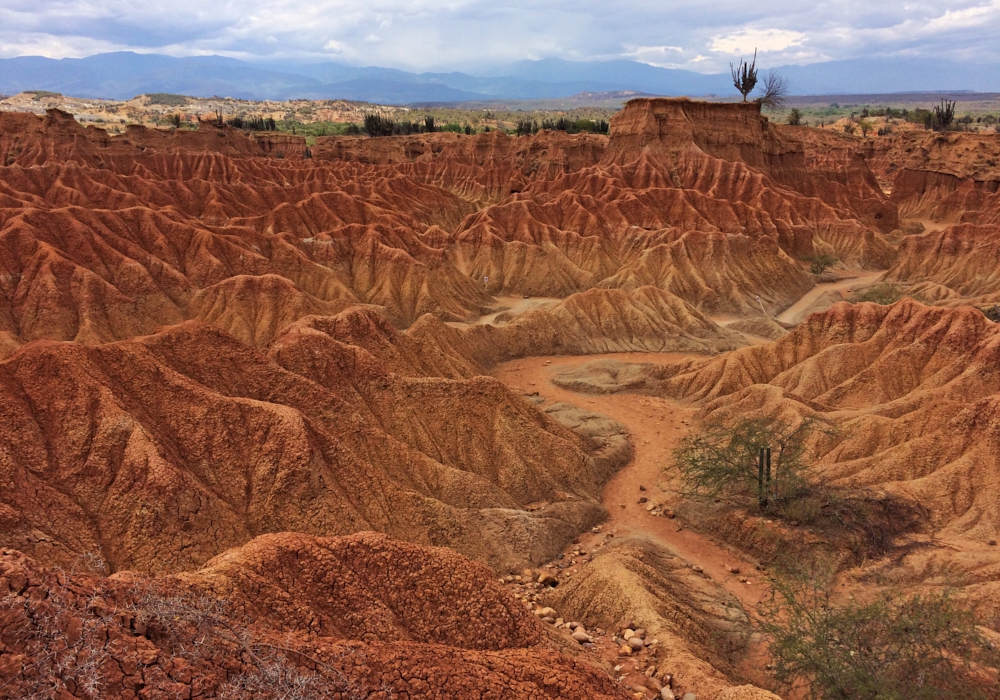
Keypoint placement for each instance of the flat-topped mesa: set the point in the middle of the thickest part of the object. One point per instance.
(664, 127)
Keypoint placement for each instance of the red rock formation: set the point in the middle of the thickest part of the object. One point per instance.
(162, 452)
(956, 265)
(103, 238)
(365, 617)
(939, 176)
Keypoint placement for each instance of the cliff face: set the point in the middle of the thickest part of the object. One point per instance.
(945, 177)
(665, 127)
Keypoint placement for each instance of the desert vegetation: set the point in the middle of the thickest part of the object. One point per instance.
(818, 264)
(748, 456)
(884, 293)
(745, 76)
(894, 645)
(774, 92)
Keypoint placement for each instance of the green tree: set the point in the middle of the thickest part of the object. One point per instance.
(761, 456)
(821, 263)
(795, 117)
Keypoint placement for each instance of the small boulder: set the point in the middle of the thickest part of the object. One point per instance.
(635, 643)
(628, 634)
(666, 694)
(547, 579)
(689, 696)
(580, 635)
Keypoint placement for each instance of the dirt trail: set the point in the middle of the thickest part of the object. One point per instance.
(932, 225)
(512, 305)
(655, 426)
(795, 312)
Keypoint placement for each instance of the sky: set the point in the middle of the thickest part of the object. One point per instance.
(471, 35)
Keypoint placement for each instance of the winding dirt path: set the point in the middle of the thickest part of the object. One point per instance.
(655, 425)
(797, 311)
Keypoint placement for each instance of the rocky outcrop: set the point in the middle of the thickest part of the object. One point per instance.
(368, 617)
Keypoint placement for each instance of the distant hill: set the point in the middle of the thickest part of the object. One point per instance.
(123, 75)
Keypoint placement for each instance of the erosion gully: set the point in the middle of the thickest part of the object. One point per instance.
(655, 425)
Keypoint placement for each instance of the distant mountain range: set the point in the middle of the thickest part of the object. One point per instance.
(123, 75)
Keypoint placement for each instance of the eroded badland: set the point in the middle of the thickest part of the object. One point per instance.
(394, 417)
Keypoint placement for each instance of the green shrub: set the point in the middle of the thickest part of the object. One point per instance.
(795, 117)
(166, 98)
(923, 647)
(821, 263)
(526, 127)
(378, 124)
(41, 94)
(252, 123)
(884, 293)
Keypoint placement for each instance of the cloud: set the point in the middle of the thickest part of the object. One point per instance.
(472, 35)
(760, 40)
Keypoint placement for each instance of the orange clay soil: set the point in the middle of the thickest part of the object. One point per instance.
(655, 426)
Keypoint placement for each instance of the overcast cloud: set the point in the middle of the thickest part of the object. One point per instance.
(470, 35)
